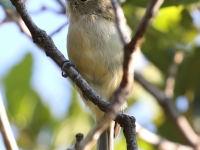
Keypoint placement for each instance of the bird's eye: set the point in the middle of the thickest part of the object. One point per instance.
(83, 0)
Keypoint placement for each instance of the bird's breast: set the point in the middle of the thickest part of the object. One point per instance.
(95, 48)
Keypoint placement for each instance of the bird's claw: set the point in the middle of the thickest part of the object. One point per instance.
(67, 63)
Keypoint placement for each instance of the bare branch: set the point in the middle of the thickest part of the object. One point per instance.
(62, 5)
(12, 16)
(93, 136)
(79, 138)
(180, 122)
(151, 12)
(120, 22)
(5, 129)
(59, 29)
(45, 8)
(129, 129)
(158, 141)
(178, 57)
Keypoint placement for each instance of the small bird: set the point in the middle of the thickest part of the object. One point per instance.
(94, 46)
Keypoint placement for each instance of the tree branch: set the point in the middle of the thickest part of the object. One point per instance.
(5, 129)
(180, 122)
(158, 141)
(169, 88)
(59, 29)
(62, 5)
(120, 22)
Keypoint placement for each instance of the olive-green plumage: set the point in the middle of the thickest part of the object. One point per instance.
(94, 46)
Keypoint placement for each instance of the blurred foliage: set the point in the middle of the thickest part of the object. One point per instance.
(173, 30)
(25, 108)
(71, 126)
(144, 145)
(7, 4)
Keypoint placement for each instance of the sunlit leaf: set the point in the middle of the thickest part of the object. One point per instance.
(168, 18)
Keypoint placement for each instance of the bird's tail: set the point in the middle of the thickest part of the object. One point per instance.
(105, 141)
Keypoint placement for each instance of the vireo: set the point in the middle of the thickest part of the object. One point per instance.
(94, 46)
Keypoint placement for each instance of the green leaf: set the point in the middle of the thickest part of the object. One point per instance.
(168, 18)
(156, 45)
(171, 30)
(25, 108)
(17, 84)
(7, 4)
(178, 22)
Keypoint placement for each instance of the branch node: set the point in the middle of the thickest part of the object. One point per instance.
(79, 138)
(125, 120)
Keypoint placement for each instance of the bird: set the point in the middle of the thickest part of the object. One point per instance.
(95, 48)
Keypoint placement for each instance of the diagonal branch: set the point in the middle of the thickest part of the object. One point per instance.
(59, 29)
(158, 141)
(62, 5)
(5, 129)
(120, 22)
(180, 122)
(173, 68)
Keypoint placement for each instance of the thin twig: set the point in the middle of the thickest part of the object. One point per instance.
(59, 29)
(5, 129)
(62, 5)
(13, 16)
(150, 13)
(170, 82)
(45, 8)
(120, 22)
